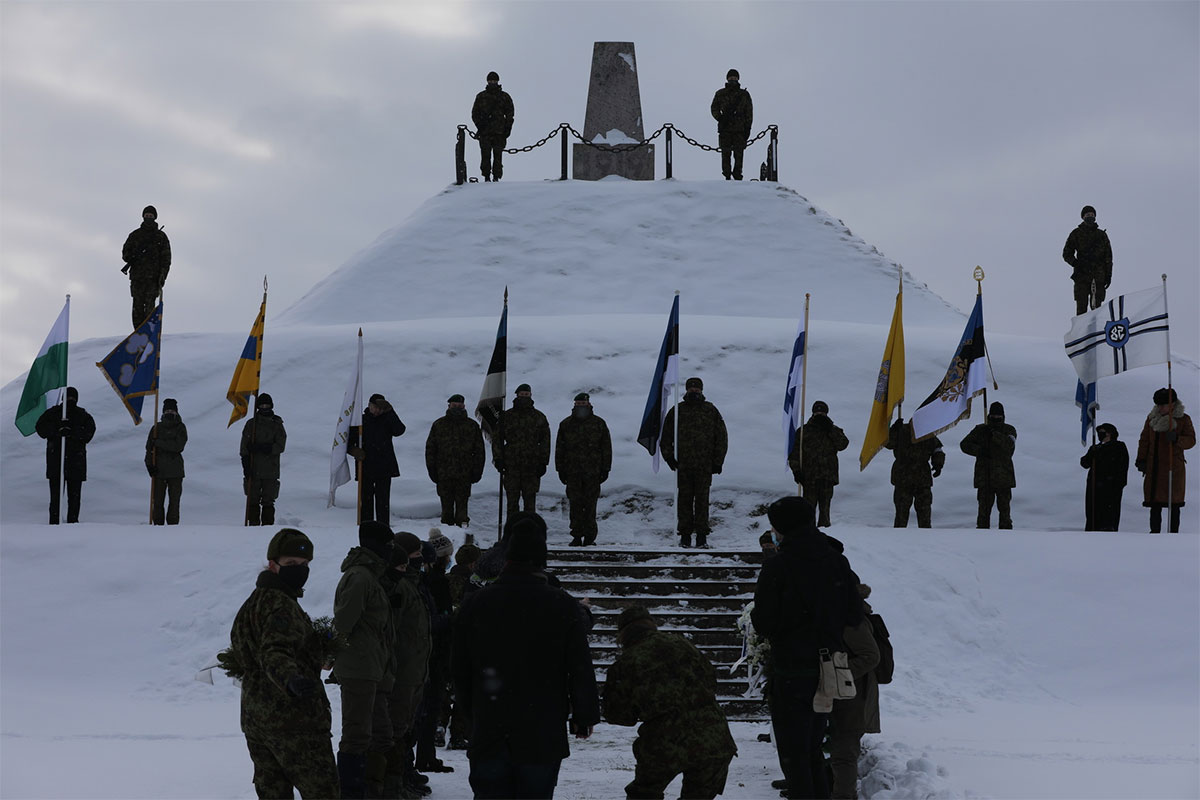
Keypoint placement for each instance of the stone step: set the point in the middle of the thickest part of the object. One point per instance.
(597, 555)
(584, 586)
(679, 618)
(658, 604)
(617, 571)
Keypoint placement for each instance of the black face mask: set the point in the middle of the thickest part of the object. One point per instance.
(693, 397)
(266, 412)
(294, 576)
(582, 412)
(456, 412)
(415, 565)
(523, 402)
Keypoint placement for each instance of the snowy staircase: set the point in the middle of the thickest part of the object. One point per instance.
(697, 593)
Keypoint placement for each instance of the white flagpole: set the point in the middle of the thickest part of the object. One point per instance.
(62, 442)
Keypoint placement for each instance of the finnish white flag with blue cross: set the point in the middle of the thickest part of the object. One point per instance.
(1123, 333)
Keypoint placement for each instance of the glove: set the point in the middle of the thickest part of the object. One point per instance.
(798, 476)
(152, 469)
(937, 472)
(64, 429)
(604, 477)
(300, 686)
(541, 471)
(384, 405)
(357, 453)
(562, 478)
(717, 469)
(1172, 436)
(1140, 465)
(125, 270)
(263, 447)
(498, 463)
(246, 486)
(672, 464)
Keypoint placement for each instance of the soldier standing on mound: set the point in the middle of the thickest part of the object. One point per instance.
(703, 442)
(816, 468)
(147, 255)
(493, 115)
(525, 452)
(1089, 252)
(583, 458)
(993, 444)
(454, 457)
(733, 110)
(915, 467)
(263, 439)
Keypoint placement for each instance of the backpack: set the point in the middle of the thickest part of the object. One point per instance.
(887, 662)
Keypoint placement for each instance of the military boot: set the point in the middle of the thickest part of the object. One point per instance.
(685, 540)
(702, 540)
(352, 768)
(376, 771)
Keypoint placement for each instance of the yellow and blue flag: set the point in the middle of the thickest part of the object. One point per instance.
(249, 366)
(889, 388)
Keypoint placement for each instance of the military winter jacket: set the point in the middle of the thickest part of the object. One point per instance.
(1090, 253)
(805, 596)
(1107, 464)
(362, 614)
(663, 681)
(454, 449)
(377, 434)
(733, 110)
(263, 439)
(273, 640)
(147, 251)
(526, 450)
(493, 113)
(821, 442)
(83, 428)
(164, 448)
(915, 461)
(522, 666)
(993, 445)
(411, 641)
(1157, 456)
(702, 435)
(583, 450)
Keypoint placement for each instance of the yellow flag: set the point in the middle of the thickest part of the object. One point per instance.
(245, 374)
(889, 388)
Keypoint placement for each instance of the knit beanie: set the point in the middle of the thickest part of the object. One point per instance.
(376, 537)
(442, 545)
(791, 515)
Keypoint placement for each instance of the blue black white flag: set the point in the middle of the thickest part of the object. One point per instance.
(1126, 332)
(666, 378)
(491, 398)
(965, 377)
(791, 396)
(132, 367)
(1085, 398)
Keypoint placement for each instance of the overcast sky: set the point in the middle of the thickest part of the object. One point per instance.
(282, 137)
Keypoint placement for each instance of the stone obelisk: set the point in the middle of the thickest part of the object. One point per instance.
(614, 116)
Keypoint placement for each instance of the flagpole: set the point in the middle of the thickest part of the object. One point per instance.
(979, 276)
(154, 424)
(900, 291)
(360, 465)
(675, 405)
(803, 401)
(1170, 414)
(62, 443)
(500, 426)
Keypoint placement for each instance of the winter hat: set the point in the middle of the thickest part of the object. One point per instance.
(264, 399)
(996, 411)
(376, 398)
(524, 387)
(1161, 397)
(170, 405)
(405, 544)
(467, 554)
(583, 397)
(694, 383)
(864, 591)
(732, 75)
(441, 542)
(456, 398)
(766, 539)
(631, 615)
(376, 537)
(72, 394)
(492, 76)
(1107, 427)
(428, 553)
(527, 546)
(150, 210)
(820, 407)
(289, 542)
(1086, 210)
(791, 515)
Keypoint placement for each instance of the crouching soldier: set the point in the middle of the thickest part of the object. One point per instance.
(285, 713)
(662, 680)
(916, 465)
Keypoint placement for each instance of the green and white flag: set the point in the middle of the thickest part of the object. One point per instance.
(48, 372)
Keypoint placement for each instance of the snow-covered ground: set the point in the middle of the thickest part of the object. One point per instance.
(1044, 662)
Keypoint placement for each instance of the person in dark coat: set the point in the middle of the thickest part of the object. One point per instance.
(733, 110)
(493, 115)
(67, 433)
(147, 255)
(913, 471)
(1107, 463)
(664, 682)
(806, 595)
(523, 672)
(376, 458)
(814, 459)
(850, 719)
(583, 458)
(700, 454)
(993, 444)
(524, 454)
(436, 553)
(263, 440)
(1167, 433)
(454, 458)
(285, 713)
(1089, 253)
(164, 462)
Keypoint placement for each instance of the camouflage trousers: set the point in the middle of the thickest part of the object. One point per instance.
(819, 492)
(491, 156)
(1003, 500)
(733, 148)
(905, 497)
(454, 495)
(693, 502)
(521, 490)
(1083, 294)
(302, 761)
(582, 495)
(703, 779)
(145, 298)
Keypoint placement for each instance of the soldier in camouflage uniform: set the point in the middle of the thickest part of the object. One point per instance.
(285, 713)
(1089, 252)
(993, 444)
(662, 680)
(454, 457)
(733, 110)
(263, 439)
(164, 462)
(147, 255)
(701, 454)
(915, 467)
(493, 115)
(583, 458)
(814, 459)
(524, 453)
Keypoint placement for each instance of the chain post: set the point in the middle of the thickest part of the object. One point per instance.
(667, 148)
(460, 157)
(773, 166)
(562, 133)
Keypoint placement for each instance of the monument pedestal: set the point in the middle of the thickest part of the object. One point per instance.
(593, 163)
(614, 112)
